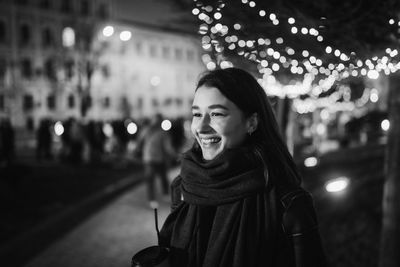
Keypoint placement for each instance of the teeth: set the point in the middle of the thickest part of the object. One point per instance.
(210, 140)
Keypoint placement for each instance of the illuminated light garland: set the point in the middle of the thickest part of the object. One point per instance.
(334, 72)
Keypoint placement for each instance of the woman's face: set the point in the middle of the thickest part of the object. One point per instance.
(217, 122)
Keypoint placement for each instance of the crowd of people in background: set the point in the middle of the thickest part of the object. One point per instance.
(88, 142)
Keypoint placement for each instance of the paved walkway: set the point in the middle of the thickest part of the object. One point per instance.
(110, 237)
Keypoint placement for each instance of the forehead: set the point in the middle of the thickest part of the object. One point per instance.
(207, 96)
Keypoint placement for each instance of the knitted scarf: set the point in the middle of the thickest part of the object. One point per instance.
(223, 219)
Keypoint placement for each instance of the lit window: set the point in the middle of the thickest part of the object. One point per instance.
(68, 37)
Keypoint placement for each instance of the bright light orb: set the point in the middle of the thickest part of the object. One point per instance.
(211, 65)
(125, 36)
(374, 97)
(132, 128)
(385, 125)
(217, 15)
(58, 128)
(108, 129)
(373, 74)
(68, 37)
(166, 125)
(195, 11)
(310, 162)
(337, 185)
(108, 31)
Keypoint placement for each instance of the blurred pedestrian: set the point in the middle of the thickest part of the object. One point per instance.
(44, 140)
(157, 153)
(76, 141)
(7, 142)
(95, 138)
(238, 200)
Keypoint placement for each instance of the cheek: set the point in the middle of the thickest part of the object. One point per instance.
(193, 128)
(234, 133)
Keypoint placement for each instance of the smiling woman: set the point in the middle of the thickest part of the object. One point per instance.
(218, 124)
(238, 201)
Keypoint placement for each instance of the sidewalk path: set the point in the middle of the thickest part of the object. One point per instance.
(108, 238)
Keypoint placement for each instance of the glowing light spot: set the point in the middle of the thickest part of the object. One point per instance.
(155, 81)
(373, 74)
(337, 185)
(58, 128)
(108, 129)
(374, 97)
(132, 128)
(108, 31)
(211, 65)
(385, 125)
(195, 11)
(310, 162)
(125, 36)
(321, 129)
(68, 37)
(217, 15)
(291, 20)
(166, 125)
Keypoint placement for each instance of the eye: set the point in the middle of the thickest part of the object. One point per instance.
(217, 114)
(196, 114)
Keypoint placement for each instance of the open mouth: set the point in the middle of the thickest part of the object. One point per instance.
(210, 141)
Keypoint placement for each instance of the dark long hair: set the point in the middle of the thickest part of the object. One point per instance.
(242, 88)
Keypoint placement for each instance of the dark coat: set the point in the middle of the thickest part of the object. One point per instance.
(294, 226)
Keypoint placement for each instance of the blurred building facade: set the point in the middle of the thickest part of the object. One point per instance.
(55, 62)
(42, 47)
(142, 71)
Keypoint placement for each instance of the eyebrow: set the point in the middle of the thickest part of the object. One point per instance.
(215, 106)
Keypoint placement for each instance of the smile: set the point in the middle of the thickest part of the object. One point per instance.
(209, 141)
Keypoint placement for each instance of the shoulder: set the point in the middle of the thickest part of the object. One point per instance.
(299, 212)
(176, 182)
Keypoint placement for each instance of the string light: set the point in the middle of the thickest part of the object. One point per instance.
(269, 59)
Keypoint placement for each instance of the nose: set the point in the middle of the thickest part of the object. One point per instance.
(203, 125)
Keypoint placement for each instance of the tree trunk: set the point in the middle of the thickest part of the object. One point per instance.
(390, 236)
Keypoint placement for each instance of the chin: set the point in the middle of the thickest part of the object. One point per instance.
(210, 155)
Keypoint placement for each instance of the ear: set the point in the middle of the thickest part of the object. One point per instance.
(252, 123)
